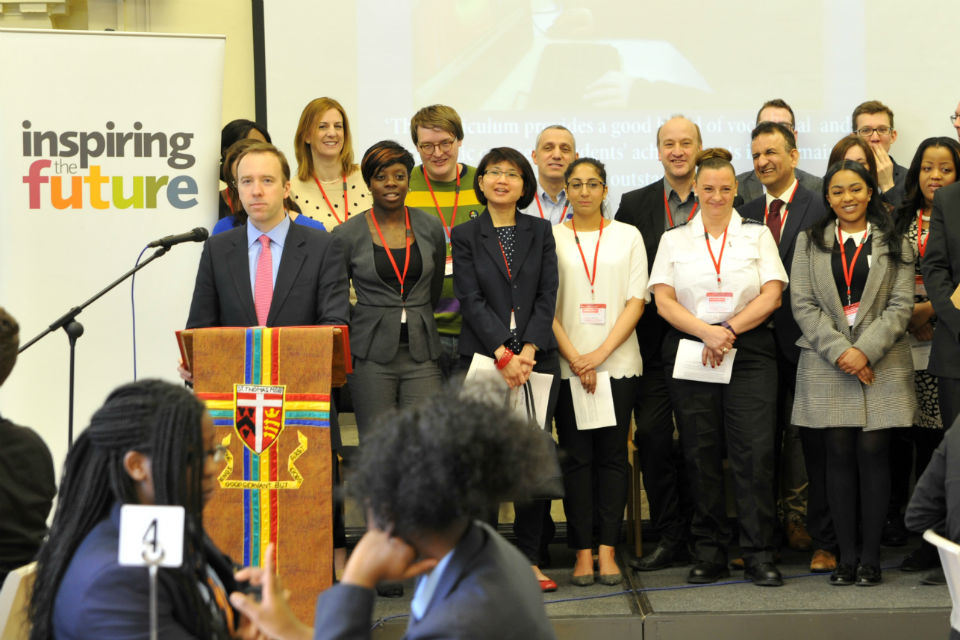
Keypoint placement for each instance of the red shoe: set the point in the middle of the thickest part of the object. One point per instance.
(547, 586)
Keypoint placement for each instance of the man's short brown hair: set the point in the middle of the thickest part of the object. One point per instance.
(437, 116)
(266, 147)
(870, 107)
(9, 343)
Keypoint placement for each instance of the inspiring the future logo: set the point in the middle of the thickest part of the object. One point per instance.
(63, 177)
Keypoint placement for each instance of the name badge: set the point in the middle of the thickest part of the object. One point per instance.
(448, 267)
(918, 287)
(593, 313)
(850, 311)
(720, 302)
(513, 321)
(403, 316)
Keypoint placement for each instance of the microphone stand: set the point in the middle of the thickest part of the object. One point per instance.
(68, 322)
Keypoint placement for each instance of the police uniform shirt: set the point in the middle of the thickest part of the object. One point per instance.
(750, 259)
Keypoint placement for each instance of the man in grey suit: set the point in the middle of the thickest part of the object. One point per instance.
(788, 209)
(749, 186)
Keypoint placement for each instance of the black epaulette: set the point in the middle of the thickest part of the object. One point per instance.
(751, 221)
(680, 224)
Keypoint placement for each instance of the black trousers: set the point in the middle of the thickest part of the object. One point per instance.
(819, 523)
(595, 456)
(949, 390)
(660, 461)
(742, 413)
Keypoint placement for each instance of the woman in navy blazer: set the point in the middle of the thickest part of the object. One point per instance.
(505, 277)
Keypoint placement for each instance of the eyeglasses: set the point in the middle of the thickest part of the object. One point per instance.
(218, 453)
(954, 116)
(429, 147)
(591, 185)
(496, 174)
(866, 132)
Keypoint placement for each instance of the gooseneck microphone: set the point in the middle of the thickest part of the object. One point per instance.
(197, 235)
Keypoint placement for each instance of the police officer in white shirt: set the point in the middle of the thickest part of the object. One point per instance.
(717, 279)
(554, 152)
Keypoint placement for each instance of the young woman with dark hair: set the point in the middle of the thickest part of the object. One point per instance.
(150, 443)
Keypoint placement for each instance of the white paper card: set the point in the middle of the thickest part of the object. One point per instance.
(150, 529)
(593, 410)
(920, 350)
(689, 365)
(483, 370)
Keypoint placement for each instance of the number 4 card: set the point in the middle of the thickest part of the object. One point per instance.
(148, 531)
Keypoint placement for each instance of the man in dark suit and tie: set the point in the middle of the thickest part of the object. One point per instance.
(788, 208)
(654, 209)
(749, 186)
(268, 272)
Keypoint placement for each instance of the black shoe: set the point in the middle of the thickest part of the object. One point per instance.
(844, 575)
(894, 533)
(935, 578)
(922, 559)
(763, 574)
(660, 558)
(868, 575)
(390, 589)
(707, 572)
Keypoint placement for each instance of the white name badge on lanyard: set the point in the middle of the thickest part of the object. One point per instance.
(850, 311)
(448, 267)
(919, 289)
(513, 321)
(720, 301)
(593, 313)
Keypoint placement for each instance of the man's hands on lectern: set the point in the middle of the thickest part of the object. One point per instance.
(185, 373)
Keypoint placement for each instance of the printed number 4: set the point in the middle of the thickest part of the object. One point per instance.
(150, 535)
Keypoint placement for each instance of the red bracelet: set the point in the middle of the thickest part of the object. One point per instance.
(505, 358)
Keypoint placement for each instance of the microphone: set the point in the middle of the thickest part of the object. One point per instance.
(197, 235)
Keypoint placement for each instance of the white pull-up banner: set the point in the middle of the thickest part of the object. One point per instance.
(107, 141)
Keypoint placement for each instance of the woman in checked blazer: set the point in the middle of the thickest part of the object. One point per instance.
(855, 374)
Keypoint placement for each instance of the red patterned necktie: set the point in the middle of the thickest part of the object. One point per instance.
(263, 284)
(773, 219)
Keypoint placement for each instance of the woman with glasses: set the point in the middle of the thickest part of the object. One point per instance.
(328, 186)
(505, 277)
(717, 279)
(852, 295)
(150, 443)
(603, 281)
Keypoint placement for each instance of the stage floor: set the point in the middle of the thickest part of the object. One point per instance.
(660, 605)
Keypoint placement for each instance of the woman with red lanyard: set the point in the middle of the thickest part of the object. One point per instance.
(395, 257)
(852, 296)
(934, 165)
(716, 280)
(328, 186)
(603, 282)
(505, 278)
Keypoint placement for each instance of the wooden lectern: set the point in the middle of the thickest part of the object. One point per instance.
(268, 391)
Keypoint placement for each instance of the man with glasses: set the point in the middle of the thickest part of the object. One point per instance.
(652, 210)
(873, 121)
(444, 187)
(749, 186)
(555, 150)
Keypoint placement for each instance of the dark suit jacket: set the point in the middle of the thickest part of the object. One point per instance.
(311, 286)
(807, 208)
(375, 319)
(487, 294)
(750, 188)
(643, 208)
(935, 503)
(98, 598)
(486, 591)
(941, 275)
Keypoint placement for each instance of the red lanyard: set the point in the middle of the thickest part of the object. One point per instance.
(716, 261)
(505, 263)
(921, 243)
(785, 210)
(596, 252)
(229, 199)
(406, 262)
(346, 206)
(848, 275)
(562, 215)
(666, 205)
(456, 203)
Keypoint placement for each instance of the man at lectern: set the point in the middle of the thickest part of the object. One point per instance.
(269, 272)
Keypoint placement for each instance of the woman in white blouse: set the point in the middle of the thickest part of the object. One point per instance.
(716, 280)
(603, 279)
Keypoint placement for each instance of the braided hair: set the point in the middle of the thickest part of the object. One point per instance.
(164, 422)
